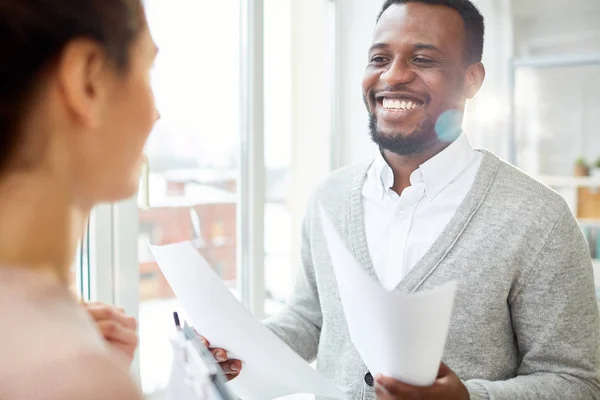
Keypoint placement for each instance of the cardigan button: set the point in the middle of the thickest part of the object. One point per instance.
(369, 379)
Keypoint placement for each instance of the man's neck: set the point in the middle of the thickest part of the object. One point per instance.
(404, 165)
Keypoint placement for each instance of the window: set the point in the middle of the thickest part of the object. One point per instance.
(278, 153)
(193, 159)
(79, 274)
(204, 179)
(76, 281)
(548, 142)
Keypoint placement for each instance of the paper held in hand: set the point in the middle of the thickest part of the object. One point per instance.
(399, 335)
(270, 368)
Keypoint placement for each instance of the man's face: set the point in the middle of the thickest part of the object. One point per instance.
(414, 83)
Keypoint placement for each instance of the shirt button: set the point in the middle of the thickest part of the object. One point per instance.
(369, 379)
(402, 214)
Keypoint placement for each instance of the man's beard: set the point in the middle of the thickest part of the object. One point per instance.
(421, 139)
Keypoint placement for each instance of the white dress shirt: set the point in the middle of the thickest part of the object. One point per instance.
(401, 229)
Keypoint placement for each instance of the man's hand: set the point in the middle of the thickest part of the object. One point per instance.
(231, 368)
(118, 329)
(447, 386)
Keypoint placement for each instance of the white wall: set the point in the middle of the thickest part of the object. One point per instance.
(487, 119)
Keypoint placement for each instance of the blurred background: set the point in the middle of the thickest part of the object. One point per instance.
(261, 99)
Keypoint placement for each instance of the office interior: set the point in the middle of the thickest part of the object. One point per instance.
(261, 99)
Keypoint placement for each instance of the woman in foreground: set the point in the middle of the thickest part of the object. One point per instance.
(76, 108)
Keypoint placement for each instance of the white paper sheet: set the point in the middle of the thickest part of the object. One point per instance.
(270, 368)
(399, 335)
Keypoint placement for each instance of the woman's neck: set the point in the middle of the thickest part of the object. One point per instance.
(39, 225)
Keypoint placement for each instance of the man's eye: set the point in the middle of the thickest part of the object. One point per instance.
(422, 60)
(378, 59)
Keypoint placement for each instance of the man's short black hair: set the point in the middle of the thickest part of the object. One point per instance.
(473, 21)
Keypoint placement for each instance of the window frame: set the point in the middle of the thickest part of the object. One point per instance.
(114, 276)
(112, 273)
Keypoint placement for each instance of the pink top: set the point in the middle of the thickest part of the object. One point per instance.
(49, 347)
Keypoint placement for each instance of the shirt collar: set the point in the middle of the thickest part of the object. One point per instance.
(437, 172)
(383, 174)
(446, 166)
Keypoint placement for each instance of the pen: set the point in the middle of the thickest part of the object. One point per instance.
(176, 318)
(180, 334)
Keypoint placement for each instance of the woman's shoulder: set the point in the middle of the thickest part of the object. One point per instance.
(50, 348)
(89, 375)
(42, 319)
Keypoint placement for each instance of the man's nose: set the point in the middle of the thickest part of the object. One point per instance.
(398, 73)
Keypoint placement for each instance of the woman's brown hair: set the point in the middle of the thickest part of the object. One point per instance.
(33, 33)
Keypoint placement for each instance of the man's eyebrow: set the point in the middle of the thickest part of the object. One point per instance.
(418, 46)
(427, 46)
(378, 46)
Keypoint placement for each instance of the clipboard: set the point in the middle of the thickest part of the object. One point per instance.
(216, 374)
(195, 375)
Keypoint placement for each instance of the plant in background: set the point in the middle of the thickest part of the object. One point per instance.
(581, 167)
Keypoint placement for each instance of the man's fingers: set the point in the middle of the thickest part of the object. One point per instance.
(395, 388)
(446, 386)
(114, 331)
(204, 341)
(231, 368)
(382, 394)
(443, 371)
(219, 354)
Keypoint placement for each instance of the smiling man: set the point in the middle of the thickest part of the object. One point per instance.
(430, 209)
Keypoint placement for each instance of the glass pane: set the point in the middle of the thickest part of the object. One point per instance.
(557, 125)
(193, 160)
(75, 274)
(79, 281)
(556, 118)
(298, 93)
(278, 153)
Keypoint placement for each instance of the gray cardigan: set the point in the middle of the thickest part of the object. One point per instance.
(525, 323)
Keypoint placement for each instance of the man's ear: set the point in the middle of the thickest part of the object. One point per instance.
(474, 78)
(81, 76)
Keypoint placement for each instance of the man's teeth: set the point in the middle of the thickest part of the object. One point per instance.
(397, 104)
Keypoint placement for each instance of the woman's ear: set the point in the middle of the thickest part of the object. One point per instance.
(81, 76)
